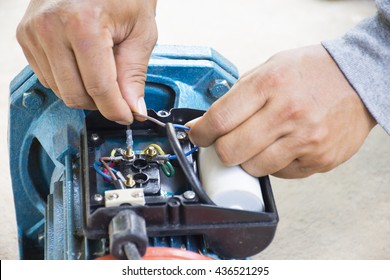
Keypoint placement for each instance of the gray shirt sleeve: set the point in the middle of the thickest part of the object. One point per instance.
(363, 55)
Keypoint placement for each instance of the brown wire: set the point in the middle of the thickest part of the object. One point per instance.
(150, 119)
(102, 160)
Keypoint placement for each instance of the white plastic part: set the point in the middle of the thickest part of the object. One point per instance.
(127, 196)
(229, 187)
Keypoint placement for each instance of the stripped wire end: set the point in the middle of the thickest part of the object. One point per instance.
(129, 154)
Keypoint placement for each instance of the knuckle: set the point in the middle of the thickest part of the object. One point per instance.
(75, 102)
(275, 76)
(224, 152)
(325, 162)
(310, 140)
(25, 34)
(149, 35)
(135, 73)
(218, 121)
(80, 14)
(20, 33)
(294, 110)
(253, 168)
(317, 136)
(98, 91)
(320, 162)
(42, 26)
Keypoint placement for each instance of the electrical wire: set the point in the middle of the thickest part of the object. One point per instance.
(186, 166)
(157, 147)
(160, 123)
(131, 251)
(180, 126)
(168, 169)
(190, 152)
(150, 119)
(100, 172)
(103, 161)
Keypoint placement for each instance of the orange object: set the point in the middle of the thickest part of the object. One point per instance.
(163, 253)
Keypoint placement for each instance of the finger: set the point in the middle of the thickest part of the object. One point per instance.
(69, 80)
(35, 66)
(322, 159)
(294, 171)
(38, 60)
(95, 59)
(253, 136)
(67, 76)
(132, 57)
(274, 158)
(23, 40)
(40, 56)
(244, 99)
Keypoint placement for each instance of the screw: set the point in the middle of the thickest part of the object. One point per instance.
(32, 100)
(151, 151)
(129, 153)
(95, 137)
(130, 181)
(190, 195)
(137, 195)
(181, 135)
(98, 197)
(162, 113)
(218, 88)
(113, 196)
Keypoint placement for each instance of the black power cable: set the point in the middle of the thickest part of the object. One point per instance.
(186, 166)
(131, 251)
(128, 236)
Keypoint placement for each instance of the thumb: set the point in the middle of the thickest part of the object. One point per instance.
(132, 57)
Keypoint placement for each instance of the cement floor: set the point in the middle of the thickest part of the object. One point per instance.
(343, 214)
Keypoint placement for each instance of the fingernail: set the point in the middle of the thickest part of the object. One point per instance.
(192, 122)
(124, 123)
(141, 106)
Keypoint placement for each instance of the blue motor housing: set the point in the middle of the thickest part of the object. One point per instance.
(54, 183)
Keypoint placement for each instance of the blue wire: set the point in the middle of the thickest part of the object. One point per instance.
(180, 126)
(99, 171)
(101, 165)
(193, 150)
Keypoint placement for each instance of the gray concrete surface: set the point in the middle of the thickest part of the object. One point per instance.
(343, 214)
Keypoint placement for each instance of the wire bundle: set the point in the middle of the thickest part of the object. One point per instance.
(166, 167)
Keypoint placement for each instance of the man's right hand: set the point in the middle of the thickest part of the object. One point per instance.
(93, 54)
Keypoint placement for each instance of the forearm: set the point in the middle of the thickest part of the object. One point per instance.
(363, 55)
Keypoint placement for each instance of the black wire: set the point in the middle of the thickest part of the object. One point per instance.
(186, 166)
(131, 251)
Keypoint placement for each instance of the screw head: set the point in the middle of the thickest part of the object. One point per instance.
(181, 135)
(190, 195)
(32, 100)
(137, 195)
(98, 197)
(218, 88)
(113, 196)
(95, 137)
(151, 151)
(162, 113)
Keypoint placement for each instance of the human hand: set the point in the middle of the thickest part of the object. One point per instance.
(291, 117)
(93, 54)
